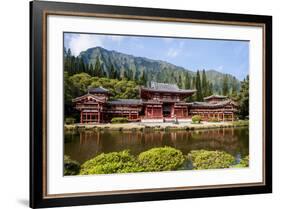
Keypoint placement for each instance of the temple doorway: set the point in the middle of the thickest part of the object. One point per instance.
(167, 109)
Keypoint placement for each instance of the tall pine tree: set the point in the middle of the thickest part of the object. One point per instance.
(143, 79)
(234, 91)
(81, 65)
(210, 89)
(187, 81)
(225, 89)
(194, 82)
(67, 60)
(73, 66)
(204, 84)
(199, 96)
(244, 98)
(180, 82)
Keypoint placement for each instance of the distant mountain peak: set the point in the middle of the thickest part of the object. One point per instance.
(155, 70)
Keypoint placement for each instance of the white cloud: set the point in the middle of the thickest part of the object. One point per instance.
(220, 68)
(173, 52)
(81, 42)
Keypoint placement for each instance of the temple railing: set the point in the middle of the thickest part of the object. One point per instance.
(81, 106)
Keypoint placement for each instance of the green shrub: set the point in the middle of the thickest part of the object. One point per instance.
(161, 159)
(71, 167)
(119, 120)
(214, 120)
(244, 163)
(203, 159)
(196, 119)
(114, 162)
(69, 120)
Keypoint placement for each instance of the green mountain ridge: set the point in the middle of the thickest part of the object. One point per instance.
(156, 70)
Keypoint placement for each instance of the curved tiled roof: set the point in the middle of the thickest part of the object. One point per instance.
(87, 95)
(212, 105)
(166, 87)
(170, 90)
(100, 90)
(163, 86)
(215, 96)
(125, 101)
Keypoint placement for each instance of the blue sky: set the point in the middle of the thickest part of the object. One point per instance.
(194, 54)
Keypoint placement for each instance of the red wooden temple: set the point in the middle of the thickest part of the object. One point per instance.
(215, 106)
(159, 103)
(165, 101)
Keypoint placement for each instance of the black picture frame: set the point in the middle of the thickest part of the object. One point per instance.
(38, 12)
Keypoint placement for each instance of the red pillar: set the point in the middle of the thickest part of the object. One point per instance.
(81, 117)
(145, 111)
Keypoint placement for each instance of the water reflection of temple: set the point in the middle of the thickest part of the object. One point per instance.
(88, 144)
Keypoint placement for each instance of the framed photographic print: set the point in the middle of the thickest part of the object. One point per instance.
(140, 104)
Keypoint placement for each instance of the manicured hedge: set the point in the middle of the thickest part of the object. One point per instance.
(114, 162)
(156, 159)
(161, 159)
(196, 119)
(203, 159)
(119, 120)
(71, 167)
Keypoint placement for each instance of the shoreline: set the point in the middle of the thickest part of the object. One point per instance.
(154, 126)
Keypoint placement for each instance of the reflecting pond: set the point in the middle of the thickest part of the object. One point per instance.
(84, 145)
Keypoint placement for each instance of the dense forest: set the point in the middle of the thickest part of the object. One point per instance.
(122, 74)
